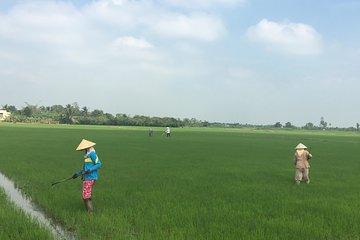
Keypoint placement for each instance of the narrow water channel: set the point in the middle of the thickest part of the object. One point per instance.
(24, 203)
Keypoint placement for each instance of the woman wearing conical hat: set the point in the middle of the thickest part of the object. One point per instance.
(89, 171)
(301, 161)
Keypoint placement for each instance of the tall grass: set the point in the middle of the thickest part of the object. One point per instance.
(198, 184)
(16, 225)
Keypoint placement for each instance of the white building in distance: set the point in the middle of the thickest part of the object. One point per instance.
(4, 114)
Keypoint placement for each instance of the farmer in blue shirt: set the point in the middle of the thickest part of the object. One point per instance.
(89, 172)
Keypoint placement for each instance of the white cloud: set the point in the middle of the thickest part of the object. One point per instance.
(132, 51)
(131, 42)
(290, 38)
(112, 2)
(48, 32)
(49, 22)
(71, 32)
(63, 32)
(203, 4)
(122, 14)
(196, 26)
(187, 48)
(132, 15)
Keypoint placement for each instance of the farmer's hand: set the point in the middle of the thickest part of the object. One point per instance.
(75, 175)
(86, 172)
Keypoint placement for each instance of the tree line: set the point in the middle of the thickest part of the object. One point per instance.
(74, 114)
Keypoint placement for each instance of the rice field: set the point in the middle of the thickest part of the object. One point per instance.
(197, 184)
(14, 224)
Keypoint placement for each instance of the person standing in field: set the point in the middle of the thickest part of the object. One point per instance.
(167, 131)
(151, 132)
(89, 172)
(301, 161)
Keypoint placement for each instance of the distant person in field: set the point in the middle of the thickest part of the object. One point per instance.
(151, 132)
(89, 172)
(301, 161)
(167, 131)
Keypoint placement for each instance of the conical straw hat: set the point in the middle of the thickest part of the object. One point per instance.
(85, 144)
(300, 146)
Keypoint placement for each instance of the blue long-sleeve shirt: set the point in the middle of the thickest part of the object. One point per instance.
(91, 163)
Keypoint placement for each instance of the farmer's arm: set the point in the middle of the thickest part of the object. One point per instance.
(96, 161)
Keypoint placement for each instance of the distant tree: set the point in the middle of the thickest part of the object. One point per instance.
(309, 125)
(27, 111)
(323, 124)
(4, 107)
(121, 119)
(84, 111)
(357, 126)
(186, 122)
(76, 109)
(278, 125)
(68, 114)
(288, 125)
(57, 109)
(9, 108)
(110, 117)
(123, 115)
(205, 123)
(193, 122)
(43, 109)
(97, 113)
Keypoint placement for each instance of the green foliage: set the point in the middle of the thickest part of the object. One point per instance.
(68, 114)
(323, 124)
(309, 126)
(198, 184)
(289, 125)
(278, 125)
(97, 113)
(9, 108)
(28, 111)
(73, 114)
(57, 109)
(15, 225)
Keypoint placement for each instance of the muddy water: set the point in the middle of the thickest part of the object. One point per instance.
(24, 203)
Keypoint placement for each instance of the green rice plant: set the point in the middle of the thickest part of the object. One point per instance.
(197, 184)
(15, 224)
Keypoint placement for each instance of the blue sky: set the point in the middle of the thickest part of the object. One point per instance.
(245, 61)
